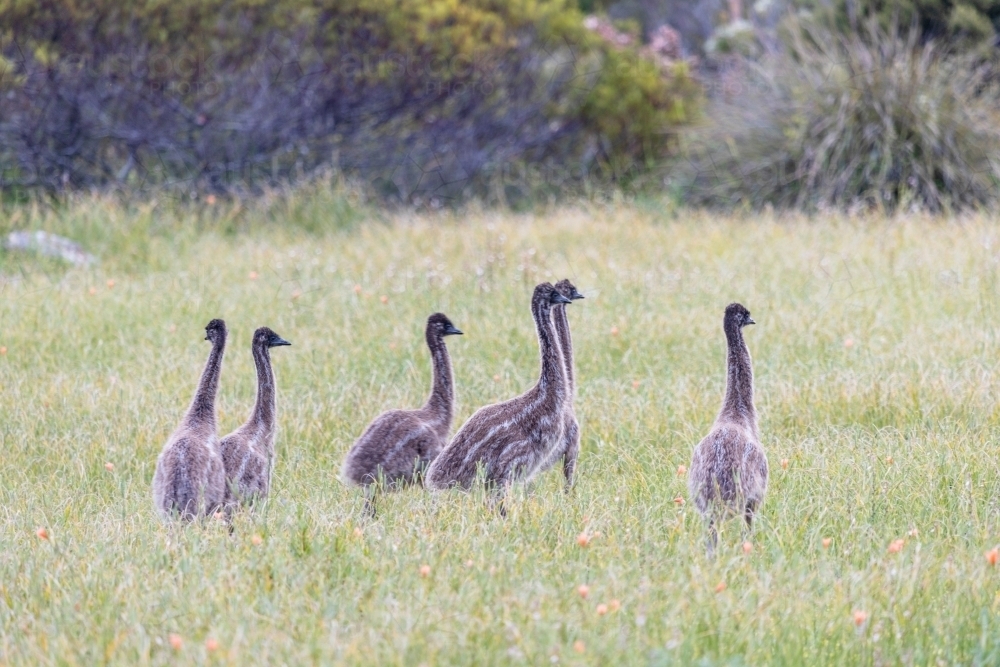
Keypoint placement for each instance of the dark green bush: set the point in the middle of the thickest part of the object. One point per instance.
(425, 99)
(873, 120)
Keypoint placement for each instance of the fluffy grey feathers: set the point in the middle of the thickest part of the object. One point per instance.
(248, 452)
(729, 468)
(189, 481)
(512, 440)
(569, 449)
(399, 445)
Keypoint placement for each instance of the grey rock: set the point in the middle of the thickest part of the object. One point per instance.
(50, 245)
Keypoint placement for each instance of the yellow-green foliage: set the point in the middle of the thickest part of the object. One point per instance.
(877, 365)
(632, 108)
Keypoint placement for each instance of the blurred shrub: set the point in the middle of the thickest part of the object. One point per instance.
(694, 20)
(426, 100)
(872, 120)
(735, 37)
(969, 21)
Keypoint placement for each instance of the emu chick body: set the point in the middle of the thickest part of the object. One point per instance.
(248, 452)
(189, 481)
(399, 444)
(729, 468)
(569, 449)
(513, 439)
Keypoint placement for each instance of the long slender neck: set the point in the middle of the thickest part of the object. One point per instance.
(738, 404)
(561, 322)
(202, 410)
(553, 375)
(441, 402)
(264, 407)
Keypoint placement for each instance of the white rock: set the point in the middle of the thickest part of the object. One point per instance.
(51, 245)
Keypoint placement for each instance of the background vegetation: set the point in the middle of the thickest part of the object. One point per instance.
(876, 363)
(966, 22)
(428, 103)
(873, 119)
(423, 99)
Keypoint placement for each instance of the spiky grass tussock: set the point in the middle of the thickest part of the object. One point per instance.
(874, 119)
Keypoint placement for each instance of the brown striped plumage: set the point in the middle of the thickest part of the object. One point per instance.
(569, 449)
(189, 481)
(729, 468)
(248, 452)
(511, 440)
(398, 445)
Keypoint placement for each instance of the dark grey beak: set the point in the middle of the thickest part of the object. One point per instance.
(451, 331)
(750, 321)
(559, 298)
(575, 295)
(278, 341)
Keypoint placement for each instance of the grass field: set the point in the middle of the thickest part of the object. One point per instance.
(876, 360)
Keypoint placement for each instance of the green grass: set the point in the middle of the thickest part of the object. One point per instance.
(875, 339)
